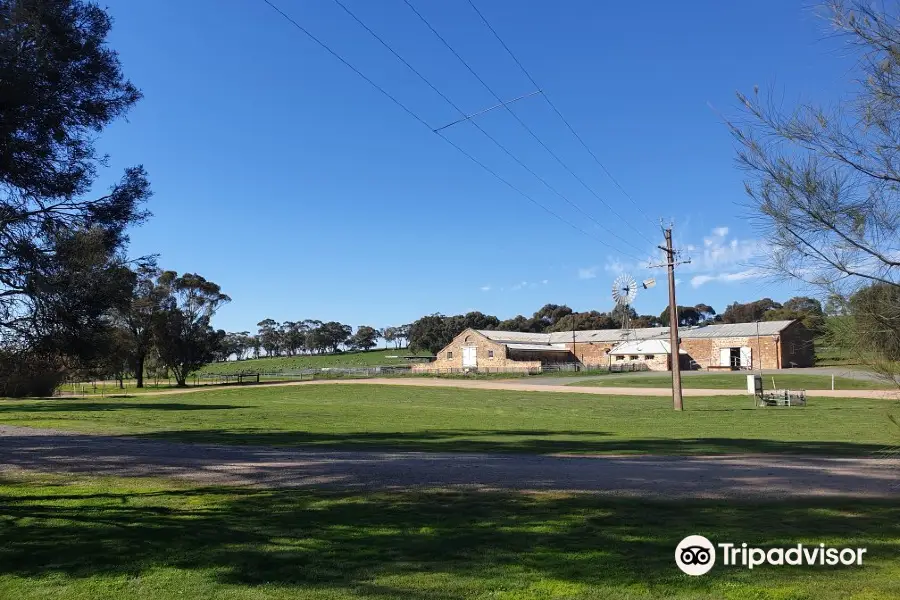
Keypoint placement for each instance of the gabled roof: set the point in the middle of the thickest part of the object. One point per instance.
(609, 335)
(647, 333)
(515, 337)
(734, 329)
(537, 347)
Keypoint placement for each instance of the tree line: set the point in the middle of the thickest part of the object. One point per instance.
(310, 336)
(433, 332)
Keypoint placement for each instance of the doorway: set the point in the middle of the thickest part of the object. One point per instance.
(470, 357)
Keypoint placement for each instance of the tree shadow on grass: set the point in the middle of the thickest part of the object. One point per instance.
(59, 406)
(428, 545)
(524, 441)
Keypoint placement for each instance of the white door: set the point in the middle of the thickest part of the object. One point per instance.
(725, 357)
(469, 356)
(746, 357)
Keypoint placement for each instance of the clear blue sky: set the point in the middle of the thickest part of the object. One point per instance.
(281, 175)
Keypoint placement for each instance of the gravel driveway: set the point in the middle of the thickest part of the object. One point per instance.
(744, 476)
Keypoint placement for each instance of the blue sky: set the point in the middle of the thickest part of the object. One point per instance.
(305, 193)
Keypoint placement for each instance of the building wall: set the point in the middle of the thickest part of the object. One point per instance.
(659, 362)
(706, 352)
(592, 353)
(792, 347)
(797, 349)
(484, 360)
(541, 357)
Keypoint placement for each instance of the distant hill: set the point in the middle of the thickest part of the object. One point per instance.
(370, 358)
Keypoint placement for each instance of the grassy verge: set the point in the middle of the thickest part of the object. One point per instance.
(448, 419)
(370, 358)
(730, 381)
(104, 538)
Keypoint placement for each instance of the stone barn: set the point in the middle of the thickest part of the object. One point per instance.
(767, 345)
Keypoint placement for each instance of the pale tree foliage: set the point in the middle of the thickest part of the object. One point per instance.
(824, 182)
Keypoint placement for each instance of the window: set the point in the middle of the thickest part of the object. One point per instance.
(620, 357)
(793, 349)
(449, 355)
(649, 357)
(490, 354)
(634, 357)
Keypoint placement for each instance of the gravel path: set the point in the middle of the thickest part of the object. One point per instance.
(515, 385)
(745, 476)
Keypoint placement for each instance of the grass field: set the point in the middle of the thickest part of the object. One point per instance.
(83, 538)
(371, 358)
(733, 381)
(448, 419)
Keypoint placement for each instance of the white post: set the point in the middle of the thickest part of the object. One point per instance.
(832, 382)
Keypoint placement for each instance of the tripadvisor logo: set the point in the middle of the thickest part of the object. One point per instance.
(696, 555)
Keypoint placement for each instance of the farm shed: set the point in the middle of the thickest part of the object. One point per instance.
(768, 344)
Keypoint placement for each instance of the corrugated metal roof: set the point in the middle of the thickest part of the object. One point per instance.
(515, 336)
(609, 335)
(734, 330)
(647, 333)
(537, 347)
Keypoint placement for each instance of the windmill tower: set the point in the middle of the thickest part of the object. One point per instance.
(624, 292)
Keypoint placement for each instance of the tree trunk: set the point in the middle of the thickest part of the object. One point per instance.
(139, 371)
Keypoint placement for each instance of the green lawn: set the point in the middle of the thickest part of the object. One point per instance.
(81, 538)
(371, 358)
(448, 419)
(733, 381)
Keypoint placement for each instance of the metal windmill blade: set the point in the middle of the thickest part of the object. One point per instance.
(624, 289)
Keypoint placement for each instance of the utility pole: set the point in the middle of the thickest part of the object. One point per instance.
(674, 345)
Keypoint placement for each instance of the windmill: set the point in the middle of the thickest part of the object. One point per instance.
(624, 292)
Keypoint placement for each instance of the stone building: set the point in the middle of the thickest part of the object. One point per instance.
(767, 345)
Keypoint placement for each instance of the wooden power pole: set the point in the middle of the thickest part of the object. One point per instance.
(674, 345)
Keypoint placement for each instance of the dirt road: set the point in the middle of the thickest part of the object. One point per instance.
(482, 384)
(747, 477)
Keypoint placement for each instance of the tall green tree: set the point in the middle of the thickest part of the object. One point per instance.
(136, 316)
(365, 338)
(61, 253)
(185, 340)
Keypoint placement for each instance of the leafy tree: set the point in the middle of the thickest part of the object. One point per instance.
(270, 337)
(707, 313)
(688, 316)
(807, 310)
(365, 338)
(236, 343)
(390, 335)
(750, 312)
(430, 333)
(873, 326)
(334, 334)
(137, 315)
(549, 314)
(521, 324)
(61, 265)
(585, 321)
(646, 321)
(825, 181)
(184, 338)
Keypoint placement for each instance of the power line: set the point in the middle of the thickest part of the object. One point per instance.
(558, 113)
(408, 111)
(480, 128)
(522, 123)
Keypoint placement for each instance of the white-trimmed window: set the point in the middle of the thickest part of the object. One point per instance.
(490, 354)
(449, 355)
